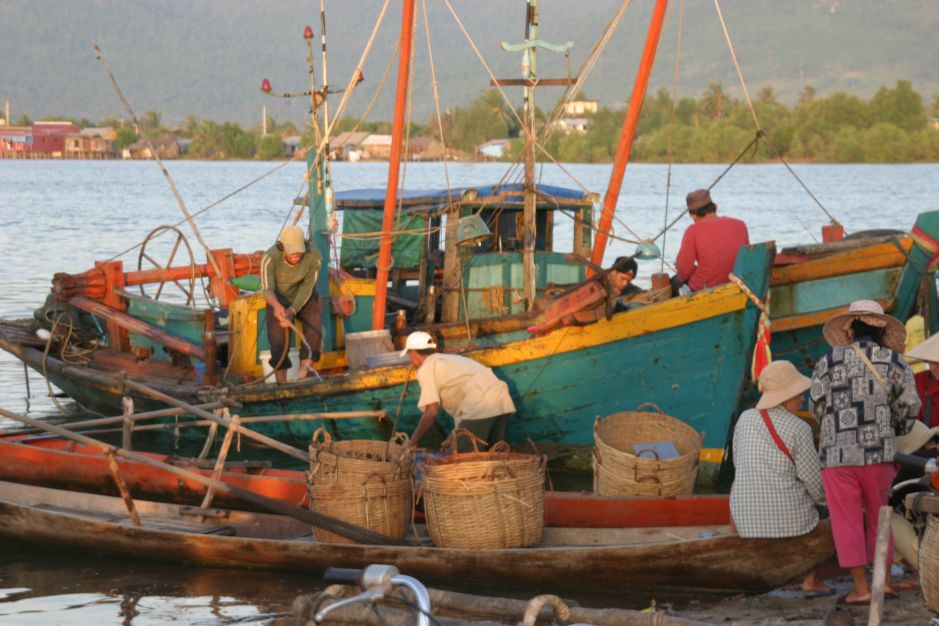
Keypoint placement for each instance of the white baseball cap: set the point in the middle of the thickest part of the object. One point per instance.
(418, 340)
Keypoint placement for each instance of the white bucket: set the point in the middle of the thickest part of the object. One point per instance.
(292, 371)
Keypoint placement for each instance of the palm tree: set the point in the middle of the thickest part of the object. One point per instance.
(714, 100)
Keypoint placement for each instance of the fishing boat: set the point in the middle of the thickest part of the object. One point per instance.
(62, 464)
(488, 299)
(612, 559)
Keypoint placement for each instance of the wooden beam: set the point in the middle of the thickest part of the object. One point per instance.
(128, 322)
(532, 82)
(881, 256)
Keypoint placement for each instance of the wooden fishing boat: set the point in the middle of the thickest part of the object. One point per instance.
(61, 464)
(608, 559)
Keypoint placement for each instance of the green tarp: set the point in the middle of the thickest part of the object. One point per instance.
(363, 251)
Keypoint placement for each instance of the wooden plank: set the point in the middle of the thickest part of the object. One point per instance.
(126, 322)
(880, 256)
(528, 82)
(817, 318)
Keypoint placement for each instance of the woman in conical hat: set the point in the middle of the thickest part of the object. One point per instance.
(863, 395)
(778, 481)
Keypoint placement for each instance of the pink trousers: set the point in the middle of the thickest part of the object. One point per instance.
(855, 495)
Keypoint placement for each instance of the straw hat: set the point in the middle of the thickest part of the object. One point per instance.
(927, 350)
(837, 329)
(293, 240)
(916, 438)
(780, 381)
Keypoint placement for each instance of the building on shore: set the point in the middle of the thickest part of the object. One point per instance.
(91, 143)
(166, 148)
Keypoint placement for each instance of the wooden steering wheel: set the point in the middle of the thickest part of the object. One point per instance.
(188, 285)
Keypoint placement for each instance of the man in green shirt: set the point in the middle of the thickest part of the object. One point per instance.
(288, 281)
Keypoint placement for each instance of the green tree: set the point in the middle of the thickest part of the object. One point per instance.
(885, 143)
(125, 137)
(270, 147)
(900, 106)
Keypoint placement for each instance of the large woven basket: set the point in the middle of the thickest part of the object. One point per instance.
(618, 471)
(489, 499)
(353, 461)
(929, 564)
(384, 507)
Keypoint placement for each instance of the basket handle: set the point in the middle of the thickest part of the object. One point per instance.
(500, 446)
(321, 432)
(653, 405)
(655, 455)
(462, 432)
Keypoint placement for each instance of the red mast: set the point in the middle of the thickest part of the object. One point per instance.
(629, 131)
(394, 166)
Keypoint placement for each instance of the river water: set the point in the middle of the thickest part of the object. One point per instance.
(63, 215)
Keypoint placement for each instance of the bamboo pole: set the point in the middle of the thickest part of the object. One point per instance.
(219, 463)
(879, 577)
(340, 527)
(221, 421)
(122, 487)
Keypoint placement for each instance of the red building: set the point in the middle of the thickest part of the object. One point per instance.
(49, 137)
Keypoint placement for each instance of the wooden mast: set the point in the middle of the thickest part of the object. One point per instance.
(629, 132)
(530, 72)
(394, 166)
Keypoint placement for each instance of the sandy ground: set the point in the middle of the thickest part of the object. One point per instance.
(790, 607)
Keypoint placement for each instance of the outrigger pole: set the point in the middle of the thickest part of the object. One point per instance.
(629, 132)
(394, 167)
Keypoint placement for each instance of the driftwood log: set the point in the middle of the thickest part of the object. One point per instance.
(451, 607)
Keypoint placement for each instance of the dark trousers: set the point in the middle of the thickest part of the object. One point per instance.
(310, 316)
(490, 430)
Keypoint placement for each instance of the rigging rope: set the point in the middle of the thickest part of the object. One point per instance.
(760, 133)
(676, 80)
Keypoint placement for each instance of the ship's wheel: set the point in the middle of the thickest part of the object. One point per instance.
(146, 261)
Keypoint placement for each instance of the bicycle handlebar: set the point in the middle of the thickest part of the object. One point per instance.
(342, 576)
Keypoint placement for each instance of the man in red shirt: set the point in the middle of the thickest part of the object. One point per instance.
(709, 246)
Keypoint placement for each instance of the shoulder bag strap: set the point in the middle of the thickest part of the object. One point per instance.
(871, 367)
(776, 438)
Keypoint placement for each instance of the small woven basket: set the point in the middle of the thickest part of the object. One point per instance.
(353, 461)
(380, 506)
(618, 471)
(489, 499)
(929, 564)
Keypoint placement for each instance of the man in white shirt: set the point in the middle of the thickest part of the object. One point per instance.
(468, 390)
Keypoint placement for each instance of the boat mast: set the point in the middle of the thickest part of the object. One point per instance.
(529, 72)
(629, 131)
(394, 165)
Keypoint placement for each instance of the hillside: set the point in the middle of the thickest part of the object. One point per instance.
(207, 57)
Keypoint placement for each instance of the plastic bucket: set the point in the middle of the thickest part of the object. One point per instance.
(292, 371)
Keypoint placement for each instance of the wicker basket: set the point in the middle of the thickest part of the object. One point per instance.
(618, 471)
(380, 506)
(353, 461)
(485, 499)
(929, 564)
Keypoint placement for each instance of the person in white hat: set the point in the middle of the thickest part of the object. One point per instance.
(468, 390)
(778, 483)
(927, 382)
(863, 395)
(288, 281)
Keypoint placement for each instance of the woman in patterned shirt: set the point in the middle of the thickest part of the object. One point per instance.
(777, 482)
(863, 395)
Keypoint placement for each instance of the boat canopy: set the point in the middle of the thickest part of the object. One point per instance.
(362, 217)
